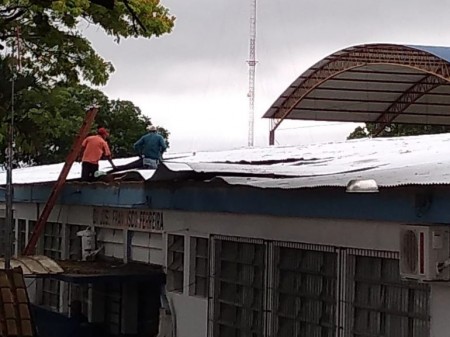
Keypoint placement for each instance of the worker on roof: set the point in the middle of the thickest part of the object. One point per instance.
(93, 149)
(151, 147)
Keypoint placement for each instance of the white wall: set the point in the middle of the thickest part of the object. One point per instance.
(345, 233)
(191, 315)
(146, 246)
(190, 311)
(440, 310)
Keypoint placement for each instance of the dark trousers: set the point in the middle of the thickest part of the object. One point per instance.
(88, 170)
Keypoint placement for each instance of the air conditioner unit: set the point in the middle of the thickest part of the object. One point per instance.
(424, 253)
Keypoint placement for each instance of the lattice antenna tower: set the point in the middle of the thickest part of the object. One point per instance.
(251, 74)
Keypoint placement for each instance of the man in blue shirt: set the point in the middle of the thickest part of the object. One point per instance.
(151, 146)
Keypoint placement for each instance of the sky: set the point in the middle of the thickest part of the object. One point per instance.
(194, 81)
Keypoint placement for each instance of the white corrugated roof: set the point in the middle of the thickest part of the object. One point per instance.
(390, 161)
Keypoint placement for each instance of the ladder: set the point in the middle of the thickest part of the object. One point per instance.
(59, 184)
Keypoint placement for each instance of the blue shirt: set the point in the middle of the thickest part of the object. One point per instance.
(151, 145)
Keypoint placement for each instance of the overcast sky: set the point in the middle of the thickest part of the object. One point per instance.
(194, 81)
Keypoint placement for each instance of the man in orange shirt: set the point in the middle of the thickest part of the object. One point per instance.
(94, 148)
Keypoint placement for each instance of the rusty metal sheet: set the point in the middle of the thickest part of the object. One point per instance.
(15, 314)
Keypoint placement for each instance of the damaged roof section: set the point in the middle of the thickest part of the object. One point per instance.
(105, 271)
(397, 161)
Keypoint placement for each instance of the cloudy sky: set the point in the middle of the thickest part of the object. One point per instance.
(194, 81)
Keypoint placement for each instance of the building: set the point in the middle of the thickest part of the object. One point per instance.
(275, 241)
(264, 242)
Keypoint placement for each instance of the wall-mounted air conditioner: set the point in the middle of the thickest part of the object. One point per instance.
(424, 253)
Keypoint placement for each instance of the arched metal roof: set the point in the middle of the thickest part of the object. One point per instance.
(377, 83)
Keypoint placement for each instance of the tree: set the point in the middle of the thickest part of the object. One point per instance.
(53, 47)
(398, 130)
(54, 58)
(48, 120)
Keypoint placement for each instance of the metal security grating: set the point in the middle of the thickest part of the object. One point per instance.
(21, 235)
(175, 263)
(305, 291)
(238, 282)
(381, 303)
(300, 289)
(50, 294)
(200, 266)
(53, 240)
(74, 249)
(52, 246)
(113, 307)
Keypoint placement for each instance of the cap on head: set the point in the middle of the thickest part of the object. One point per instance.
(103, 132)
(151, 128)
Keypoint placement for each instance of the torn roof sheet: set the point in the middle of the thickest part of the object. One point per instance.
(390, 161)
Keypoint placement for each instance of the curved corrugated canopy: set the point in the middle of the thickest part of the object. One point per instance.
(379, 83)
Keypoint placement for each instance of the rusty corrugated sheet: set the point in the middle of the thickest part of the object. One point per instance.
(15, 313)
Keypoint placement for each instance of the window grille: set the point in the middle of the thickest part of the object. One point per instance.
(199, 266)
(238, 279)
(75, 242)
(282, 289)
(53, 240)
(305, 296)
(79, 292)
(50, 293)
(2, 236)
(175, 263)
(384, 305)
(21, 237)
(113, 307)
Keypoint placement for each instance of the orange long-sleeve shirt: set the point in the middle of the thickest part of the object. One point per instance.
(94, 148)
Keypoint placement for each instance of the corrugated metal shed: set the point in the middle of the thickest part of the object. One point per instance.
(372, 83)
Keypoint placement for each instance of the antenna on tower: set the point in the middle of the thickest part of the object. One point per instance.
(251, 74)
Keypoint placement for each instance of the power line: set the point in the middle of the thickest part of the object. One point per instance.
(310, 126)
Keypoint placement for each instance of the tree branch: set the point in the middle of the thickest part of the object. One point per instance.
(135, 17)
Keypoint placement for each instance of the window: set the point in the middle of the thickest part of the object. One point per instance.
(52, 240)
(75, 242)
(305, 292)
(50, 293)
(199, 267)
(238, 288)
(21, 236)
(299, 289)
(4, 236)
(383, 304)
(113, 307)
(78, 292)
(175, 263)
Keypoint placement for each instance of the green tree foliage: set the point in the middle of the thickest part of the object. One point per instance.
(48, 120)
(55, 58)
(53, 47)
(398, 130)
